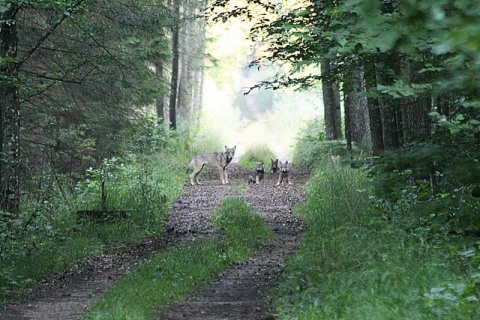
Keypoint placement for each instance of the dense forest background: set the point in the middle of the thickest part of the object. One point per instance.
(84, 81)
(101, 92)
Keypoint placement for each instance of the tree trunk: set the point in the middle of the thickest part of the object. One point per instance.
(10, 114)
(415, 118)
(200, 44)
(331, 102)
(175, 67)
(357, 121)
(376, 127)
(389, 106)
(160, 103)
(185, 81)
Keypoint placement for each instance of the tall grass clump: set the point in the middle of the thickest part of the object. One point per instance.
(257, 153)
(355, 264)
(169, 276)
(242, 225)
(142, 190)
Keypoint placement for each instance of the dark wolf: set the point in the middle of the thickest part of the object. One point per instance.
(274, 166)
(258, 175)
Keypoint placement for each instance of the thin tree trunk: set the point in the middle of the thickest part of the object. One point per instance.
(160, 103)
(175, 67)
(376, 127)
(200, 43)
(10, 115)
(185, 83)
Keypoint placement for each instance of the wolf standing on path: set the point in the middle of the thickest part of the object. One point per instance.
(284, 173)
(218, 160)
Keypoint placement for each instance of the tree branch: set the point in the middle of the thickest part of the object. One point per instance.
(52, 29)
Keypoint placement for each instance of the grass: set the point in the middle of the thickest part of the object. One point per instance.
(47, 237)
(353, 264)
(169, 276)
(257, 153)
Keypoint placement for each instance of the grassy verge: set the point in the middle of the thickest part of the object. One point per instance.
(47, 237)
(354, 264)
(168, 277)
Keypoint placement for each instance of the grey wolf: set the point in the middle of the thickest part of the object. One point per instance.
(274, 166)
(218, 160)
(258, 175)
(284, 173)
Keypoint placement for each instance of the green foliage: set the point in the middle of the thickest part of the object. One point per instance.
(169, 276)
(257, 153)
(312, 150)
(142, 189)
(354, 263)
(240, 223)
(50, 233)
(426, 185)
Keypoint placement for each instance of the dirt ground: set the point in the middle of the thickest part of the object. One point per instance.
(241, 292)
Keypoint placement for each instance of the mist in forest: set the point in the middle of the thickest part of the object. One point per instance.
(263, 116)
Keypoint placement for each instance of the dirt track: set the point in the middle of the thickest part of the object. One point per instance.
(240, 292)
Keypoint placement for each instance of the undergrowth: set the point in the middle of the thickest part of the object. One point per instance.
(257, 153)
(169, 276)
(50, 235)
(355, 262)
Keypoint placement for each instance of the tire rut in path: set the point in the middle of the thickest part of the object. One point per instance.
(241, 292)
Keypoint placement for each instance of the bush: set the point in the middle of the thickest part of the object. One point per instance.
(258, 153)
(313, 151)
(240, 223)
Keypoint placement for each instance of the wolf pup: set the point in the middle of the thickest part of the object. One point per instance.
(274, 166)
(218, 160)
(258, 174)
(284, 173)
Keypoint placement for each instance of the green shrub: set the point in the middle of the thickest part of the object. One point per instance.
(239, 222)
(258, 153)
(313, 151)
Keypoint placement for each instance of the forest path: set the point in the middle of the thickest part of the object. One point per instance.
(240, 292)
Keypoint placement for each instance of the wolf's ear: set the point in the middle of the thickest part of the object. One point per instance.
(234, 148)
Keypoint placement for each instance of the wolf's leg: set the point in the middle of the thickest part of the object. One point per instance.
(225, 174)
(193, 177)
(279, 179)
(194, 174)
(257, 179)
(222, 174)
